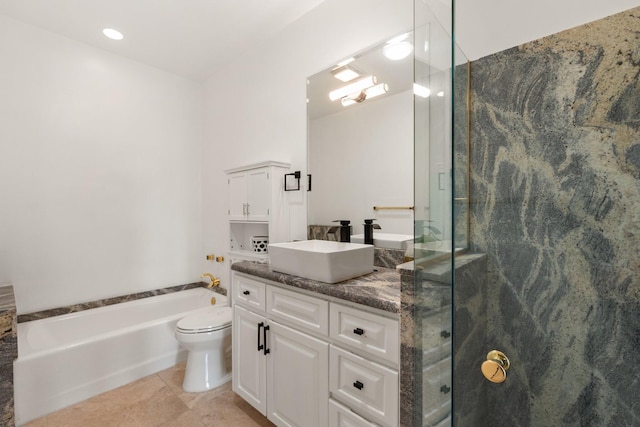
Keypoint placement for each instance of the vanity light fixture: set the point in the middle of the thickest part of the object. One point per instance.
(355, 87)
(377, 90)
(369, 93)
(112, 34)
(421, 91)
(354, 98)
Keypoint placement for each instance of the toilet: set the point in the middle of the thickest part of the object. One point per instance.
(206, 335)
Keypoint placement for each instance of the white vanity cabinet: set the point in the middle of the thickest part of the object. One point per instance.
(363, 366)
(304, 361)
(277, 367)
(257, 206)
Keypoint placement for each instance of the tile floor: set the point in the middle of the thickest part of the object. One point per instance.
(158, 400)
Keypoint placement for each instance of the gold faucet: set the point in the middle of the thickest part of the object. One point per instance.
(213, 281)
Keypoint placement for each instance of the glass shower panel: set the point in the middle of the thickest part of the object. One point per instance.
(434, 229)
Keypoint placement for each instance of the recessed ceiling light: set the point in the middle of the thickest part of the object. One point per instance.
(397, 50)
(112, 34)
(345, 74)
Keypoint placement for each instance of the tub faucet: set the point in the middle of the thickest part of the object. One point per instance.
(213, 281)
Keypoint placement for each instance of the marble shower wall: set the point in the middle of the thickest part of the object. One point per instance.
(556, 207)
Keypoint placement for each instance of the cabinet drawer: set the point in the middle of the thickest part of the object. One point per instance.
(298, 309)
(341, 416)
(368, 388)
(249, 292)
(436, 336)
(370, 333)
(436, 391)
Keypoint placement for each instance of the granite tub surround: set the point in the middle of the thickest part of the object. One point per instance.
(110, 301)
(555, 165)
(8, 353)
(380, 289)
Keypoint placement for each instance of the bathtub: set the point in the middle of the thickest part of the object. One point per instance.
(65, 359)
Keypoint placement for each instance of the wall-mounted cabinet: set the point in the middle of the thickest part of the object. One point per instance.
(257, 208)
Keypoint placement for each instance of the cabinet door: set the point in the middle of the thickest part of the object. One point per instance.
(258, 195)
(298, 385)
(238, 196)
(249, 363)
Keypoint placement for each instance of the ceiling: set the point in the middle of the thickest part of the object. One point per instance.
(190, 38)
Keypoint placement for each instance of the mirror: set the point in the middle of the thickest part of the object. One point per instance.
(360, 144)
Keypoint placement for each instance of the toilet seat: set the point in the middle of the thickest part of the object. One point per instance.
(206, 321)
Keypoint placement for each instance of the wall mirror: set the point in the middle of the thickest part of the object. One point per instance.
(360, 139)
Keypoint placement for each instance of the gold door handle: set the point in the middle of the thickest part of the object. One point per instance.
(495, 367)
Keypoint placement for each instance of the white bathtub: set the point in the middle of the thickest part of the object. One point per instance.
(65, 359)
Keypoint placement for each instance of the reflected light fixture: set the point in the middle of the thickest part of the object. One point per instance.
(441, 93)
(421, 91)
(398, 50)
(369, 93)
(345, 73)
(355, 87)
(112, 34)
(398, 47)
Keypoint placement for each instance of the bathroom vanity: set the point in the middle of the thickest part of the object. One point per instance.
(307, 353)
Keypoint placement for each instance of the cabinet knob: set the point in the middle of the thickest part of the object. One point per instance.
(358, 331)
(445, 334)
(246, 292)
(358, 385)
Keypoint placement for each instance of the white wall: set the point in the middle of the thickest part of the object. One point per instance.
(362, 157)
(100, 172)
(256, 108)
(489, 26)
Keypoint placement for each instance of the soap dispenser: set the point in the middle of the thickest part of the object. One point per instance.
(345, 230)
(369, 226)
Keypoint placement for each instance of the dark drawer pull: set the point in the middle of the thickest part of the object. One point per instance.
(246, 292)
(445, 334)
(444, 389)
(358, 331)
(264, 339)
(260, 326)
(358, 385)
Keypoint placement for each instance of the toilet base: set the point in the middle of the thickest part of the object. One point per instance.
(208, 369)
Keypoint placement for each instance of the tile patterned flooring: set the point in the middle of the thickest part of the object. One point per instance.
(158, 400)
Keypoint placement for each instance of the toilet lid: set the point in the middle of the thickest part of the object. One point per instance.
(206, 321)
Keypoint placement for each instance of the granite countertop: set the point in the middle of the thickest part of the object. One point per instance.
(7, 300)
(380, 289)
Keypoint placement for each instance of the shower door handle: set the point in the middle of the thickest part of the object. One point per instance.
(495, 367)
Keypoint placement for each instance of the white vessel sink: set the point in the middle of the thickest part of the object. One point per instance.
(386, 240)
(321, 260)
